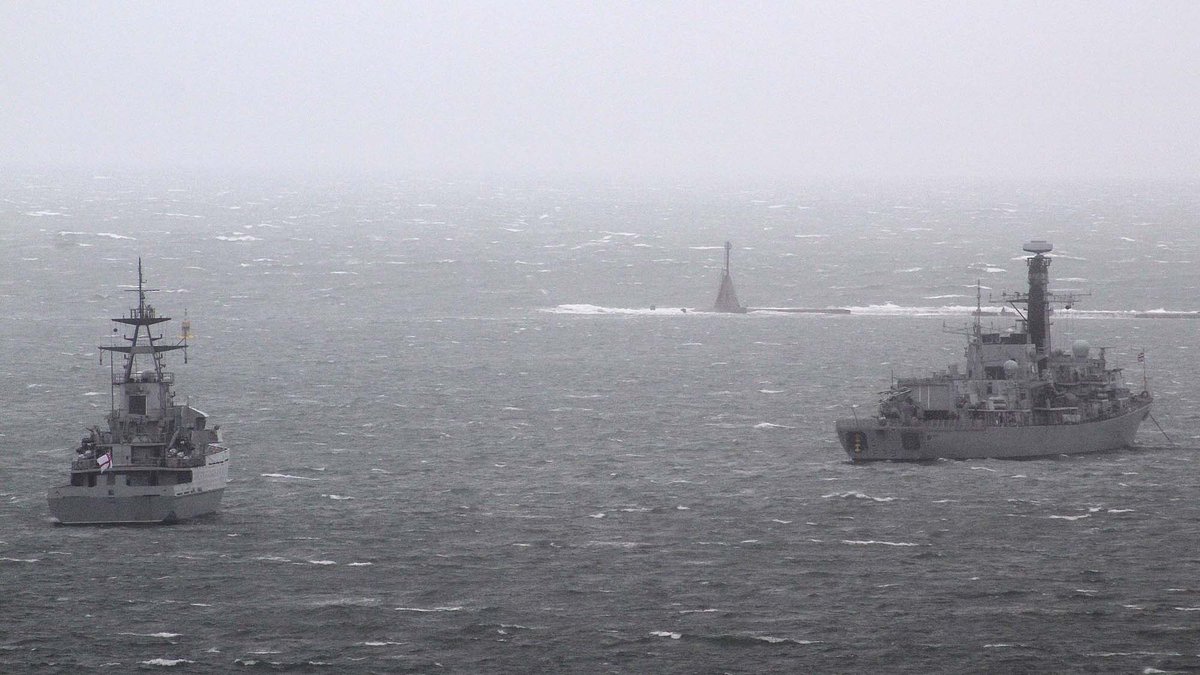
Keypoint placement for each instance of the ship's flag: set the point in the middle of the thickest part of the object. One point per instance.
(1141, 357)
(104, 461)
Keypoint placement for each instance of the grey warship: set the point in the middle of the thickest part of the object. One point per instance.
(1017, 397)
(158, 461)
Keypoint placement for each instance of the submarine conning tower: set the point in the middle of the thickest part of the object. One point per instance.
(1038, 307)
(726, 297)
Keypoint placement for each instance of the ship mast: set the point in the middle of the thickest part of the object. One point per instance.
(143, 316)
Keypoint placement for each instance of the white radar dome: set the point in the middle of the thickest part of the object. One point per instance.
(1038, 246)
(1011, 367)
(1080, 349)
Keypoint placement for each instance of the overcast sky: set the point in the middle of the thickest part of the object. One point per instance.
(1044, 89)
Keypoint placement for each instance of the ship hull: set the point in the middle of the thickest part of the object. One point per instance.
(136, 509)
(866, 440)
(113, 501)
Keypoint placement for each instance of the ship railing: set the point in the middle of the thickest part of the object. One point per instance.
(119, 378)
(180, 462)
(184, 462)
(990, 418)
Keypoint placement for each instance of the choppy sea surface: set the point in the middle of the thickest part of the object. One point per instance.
(464, 442)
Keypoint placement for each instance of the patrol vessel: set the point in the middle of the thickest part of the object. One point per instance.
(1016, 398)
(158, 461)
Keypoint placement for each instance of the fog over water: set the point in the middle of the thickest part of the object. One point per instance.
(626, 90)
(449, 269)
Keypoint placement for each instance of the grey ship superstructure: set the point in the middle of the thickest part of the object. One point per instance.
(158, 461)
(1016, 398)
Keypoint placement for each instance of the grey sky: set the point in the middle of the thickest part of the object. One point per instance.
(623, 89)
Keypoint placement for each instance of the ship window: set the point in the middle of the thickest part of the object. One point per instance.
(184, 477)
(78, 479)
(137, 405)
(112, 479)
(91, 480)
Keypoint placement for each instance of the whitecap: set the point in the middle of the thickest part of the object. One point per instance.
(770, 391)
(870, 542)
(596, 309)
(666, 634)
(165, 662)
(286, 476)
(322, 562)
(165, 636)
(1084, 515)
(779, 640)
(858, 495)
(24, 560)
(456, 608)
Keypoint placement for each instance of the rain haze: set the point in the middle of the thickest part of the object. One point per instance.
(609, 337)
(612, 89)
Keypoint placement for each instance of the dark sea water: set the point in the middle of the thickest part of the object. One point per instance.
(464, 443)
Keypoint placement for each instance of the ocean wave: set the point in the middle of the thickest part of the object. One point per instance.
(166, 662)
(876, 542)
(455, 608)
(596, 309)
(285, 476)
(857, 495)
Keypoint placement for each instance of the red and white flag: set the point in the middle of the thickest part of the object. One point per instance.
(104, 461)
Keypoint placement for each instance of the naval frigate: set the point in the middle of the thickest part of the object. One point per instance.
(1016, 398)
(158, 461)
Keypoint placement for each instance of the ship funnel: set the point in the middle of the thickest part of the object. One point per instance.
(726, 297)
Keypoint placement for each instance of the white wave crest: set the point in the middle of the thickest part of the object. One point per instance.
(857, 495)
(596, 309)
